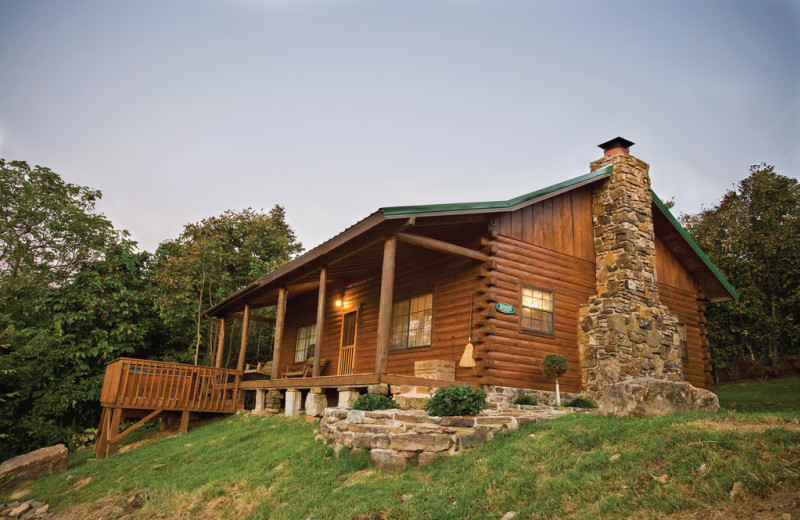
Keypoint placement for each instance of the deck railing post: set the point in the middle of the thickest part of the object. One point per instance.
(385, 305)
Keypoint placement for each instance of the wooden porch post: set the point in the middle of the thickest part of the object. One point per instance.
(385, 306)
(220, 343)
(323, 278)
(243, 348)
(280, 314)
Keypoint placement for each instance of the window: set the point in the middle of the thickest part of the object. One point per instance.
(412, 322)
(304, 347)
(537, 310)
(684, 341)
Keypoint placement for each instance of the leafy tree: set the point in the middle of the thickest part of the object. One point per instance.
(553, 367)
(752, 236)
(47, 227)
(210, 260)
(54, 366)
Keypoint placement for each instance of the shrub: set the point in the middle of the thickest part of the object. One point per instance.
(456, 400)
(370, 402)
(580, 402)
(525, 399)
(554, 366)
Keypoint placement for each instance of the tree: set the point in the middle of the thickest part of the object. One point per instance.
(553, 367)
(210, 260)
(55, 365)
(752, 237)
(48, 227)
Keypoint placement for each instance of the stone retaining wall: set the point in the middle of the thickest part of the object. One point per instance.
(393, 437)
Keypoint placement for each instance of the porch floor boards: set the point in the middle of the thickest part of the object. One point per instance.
(352, 380)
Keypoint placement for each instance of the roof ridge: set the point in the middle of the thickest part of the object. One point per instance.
(495, 205)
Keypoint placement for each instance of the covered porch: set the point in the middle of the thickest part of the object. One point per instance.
(334, 310)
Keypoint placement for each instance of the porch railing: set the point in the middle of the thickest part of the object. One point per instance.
(144, 384)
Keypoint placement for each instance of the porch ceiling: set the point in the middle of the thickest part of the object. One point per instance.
(355, 259)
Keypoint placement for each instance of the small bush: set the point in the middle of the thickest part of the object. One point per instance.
(554, 366)
(456, 400)
(84, 439)
(525, 399)
(580, 402)
(370, 402)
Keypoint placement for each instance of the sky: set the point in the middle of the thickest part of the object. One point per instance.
(180, 110)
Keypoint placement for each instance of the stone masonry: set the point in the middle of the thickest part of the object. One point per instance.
(393, 437)
(624, 331)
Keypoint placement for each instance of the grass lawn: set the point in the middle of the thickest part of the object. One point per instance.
(576, 467)
(772, 396)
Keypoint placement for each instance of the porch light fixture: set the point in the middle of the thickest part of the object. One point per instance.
(338, 303)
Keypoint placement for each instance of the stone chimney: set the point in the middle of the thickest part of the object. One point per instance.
(624, 331)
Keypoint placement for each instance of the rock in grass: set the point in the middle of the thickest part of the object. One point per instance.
(509, 515)
(648, 396)
(30, 466)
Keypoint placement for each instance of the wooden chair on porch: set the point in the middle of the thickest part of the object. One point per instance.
(265, 368)
(304, 369)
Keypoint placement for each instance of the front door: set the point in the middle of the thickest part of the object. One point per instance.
(347, 350)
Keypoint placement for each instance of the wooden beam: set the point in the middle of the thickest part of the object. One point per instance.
(323, 276)
(243, 347)
(184, 422)
(441, 246)
(279, 319)
(144, 419)
(116, 417)
(220, 343)
(262, 319)
(385, 305)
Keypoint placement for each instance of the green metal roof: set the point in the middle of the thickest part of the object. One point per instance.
(511, 204)
(496, 205)
(685, 234)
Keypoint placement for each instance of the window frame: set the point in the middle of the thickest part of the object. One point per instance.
(311, 342)
(408, 299)
(552, 331)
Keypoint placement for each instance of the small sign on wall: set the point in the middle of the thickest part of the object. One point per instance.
(505, 308)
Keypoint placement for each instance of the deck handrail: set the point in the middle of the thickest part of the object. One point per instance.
(147, 384)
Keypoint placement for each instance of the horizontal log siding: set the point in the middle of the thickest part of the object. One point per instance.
(679, 291)
(687, 306)
(562, 223)
(513, 357)
(451, 279)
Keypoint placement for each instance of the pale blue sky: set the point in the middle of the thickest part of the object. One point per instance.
(178, 110)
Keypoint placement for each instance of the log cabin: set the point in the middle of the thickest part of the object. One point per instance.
(594, 268)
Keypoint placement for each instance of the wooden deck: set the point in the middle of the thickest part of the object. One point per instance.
(151, 389)
(134, 387)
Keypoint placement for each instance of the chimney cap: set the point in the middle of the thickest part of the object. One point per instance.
(614, 144)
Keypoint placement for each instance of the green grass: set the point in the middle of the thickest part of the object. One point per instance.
(249, 467)
(774, 395)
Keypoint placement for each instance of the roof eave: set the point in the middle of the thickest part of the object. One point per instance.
(353, 231)
(696, 248)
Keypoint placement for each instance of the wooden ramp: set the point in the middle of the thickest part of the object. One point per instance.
(149, 389)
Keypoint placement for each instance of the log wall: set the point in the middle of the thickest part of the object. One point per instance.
(679, 291)
(548, 245)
